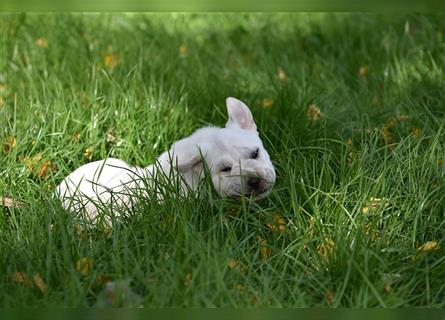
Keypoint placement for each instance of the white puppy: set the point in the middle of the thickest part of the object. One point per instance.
(234, 155)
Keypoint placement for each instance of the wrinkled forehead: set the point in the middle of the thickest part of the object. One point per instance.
(236, 142)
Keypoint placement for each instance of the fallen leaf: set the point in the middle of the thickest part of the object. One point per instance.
(314, 113)
(373, 204)
(75, 137)
(183, 49)
(102, 279)
(372, 232)
(9, 144)
(363, 71)
(18, 277)
(387, 288)
(424, 248)
(38, 281)
(88, 153)
(415, 132)
(326, 248)
(84, 265)
(187, 279)
(279, 223)
(111, 60)
(10, 202)
(46, 168)
(265, 250)
(267, 103)
(110, 136)
(429, 246)
(329, 297)
(282, 75)
(232, 263)
(439, 162)
(42, 43)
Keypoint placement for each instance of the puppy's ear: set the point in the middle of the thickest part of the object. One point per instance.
(239, 115)
(186, 155)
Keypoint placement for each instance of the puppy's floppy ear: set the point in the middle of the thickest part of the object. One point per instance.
(239, 115)
(186, 155)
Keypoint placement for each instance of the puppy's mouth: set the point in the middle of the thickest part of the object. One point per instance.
(255, 193)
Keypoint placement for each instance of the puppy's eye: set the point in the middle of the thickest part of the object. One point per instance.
(226, 169)
(254, 154)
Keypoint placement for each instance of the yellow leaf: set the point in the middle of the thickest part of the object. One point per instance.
(329, 297)
(38, 281)
(267, 103)
(84, 266)
(183, 49)
(326, 248)
(42, 43)
(279, 223)
(75, 137)
(88, 153)
(111, 60)
(429, 246)
(415, 132)
(265, 250)
(18, 277)
(282, 75)
(363, 71)
(9, 144)
(314, 113)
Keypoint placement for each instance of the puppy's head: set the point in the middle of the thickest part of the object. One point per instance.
(238, 163)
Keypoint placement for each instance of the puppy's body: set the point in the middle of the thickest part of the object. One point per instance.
(235, 156)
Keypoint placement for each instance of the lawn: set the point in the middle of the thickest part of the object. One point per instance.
(351, 108)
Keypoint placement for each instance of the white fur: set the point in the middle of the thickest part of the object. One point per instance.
(110, 182)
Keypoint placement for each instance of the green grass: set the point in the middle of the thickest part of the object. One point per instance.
(171, 76)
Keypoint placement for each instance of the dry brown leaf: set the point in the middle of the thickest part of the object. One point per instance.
(330, 297)
(279, 223)
(232, 263)
(38, 281)
(415, 132)
(326, 248)
(267, 103)
(314, 113)
(265, 250)
(111, 60)
(387, 288)
(363, 71)
(10, 202)
(42, 43)
(75, 137)
(282, 75)
(19, 277)
(84, 266)
(9, 144)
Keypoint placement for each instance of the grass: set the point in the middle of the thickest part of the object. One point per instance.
(354, 123)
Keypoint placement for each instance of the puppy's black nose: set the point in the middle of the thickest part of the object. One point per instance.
(254, 183)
